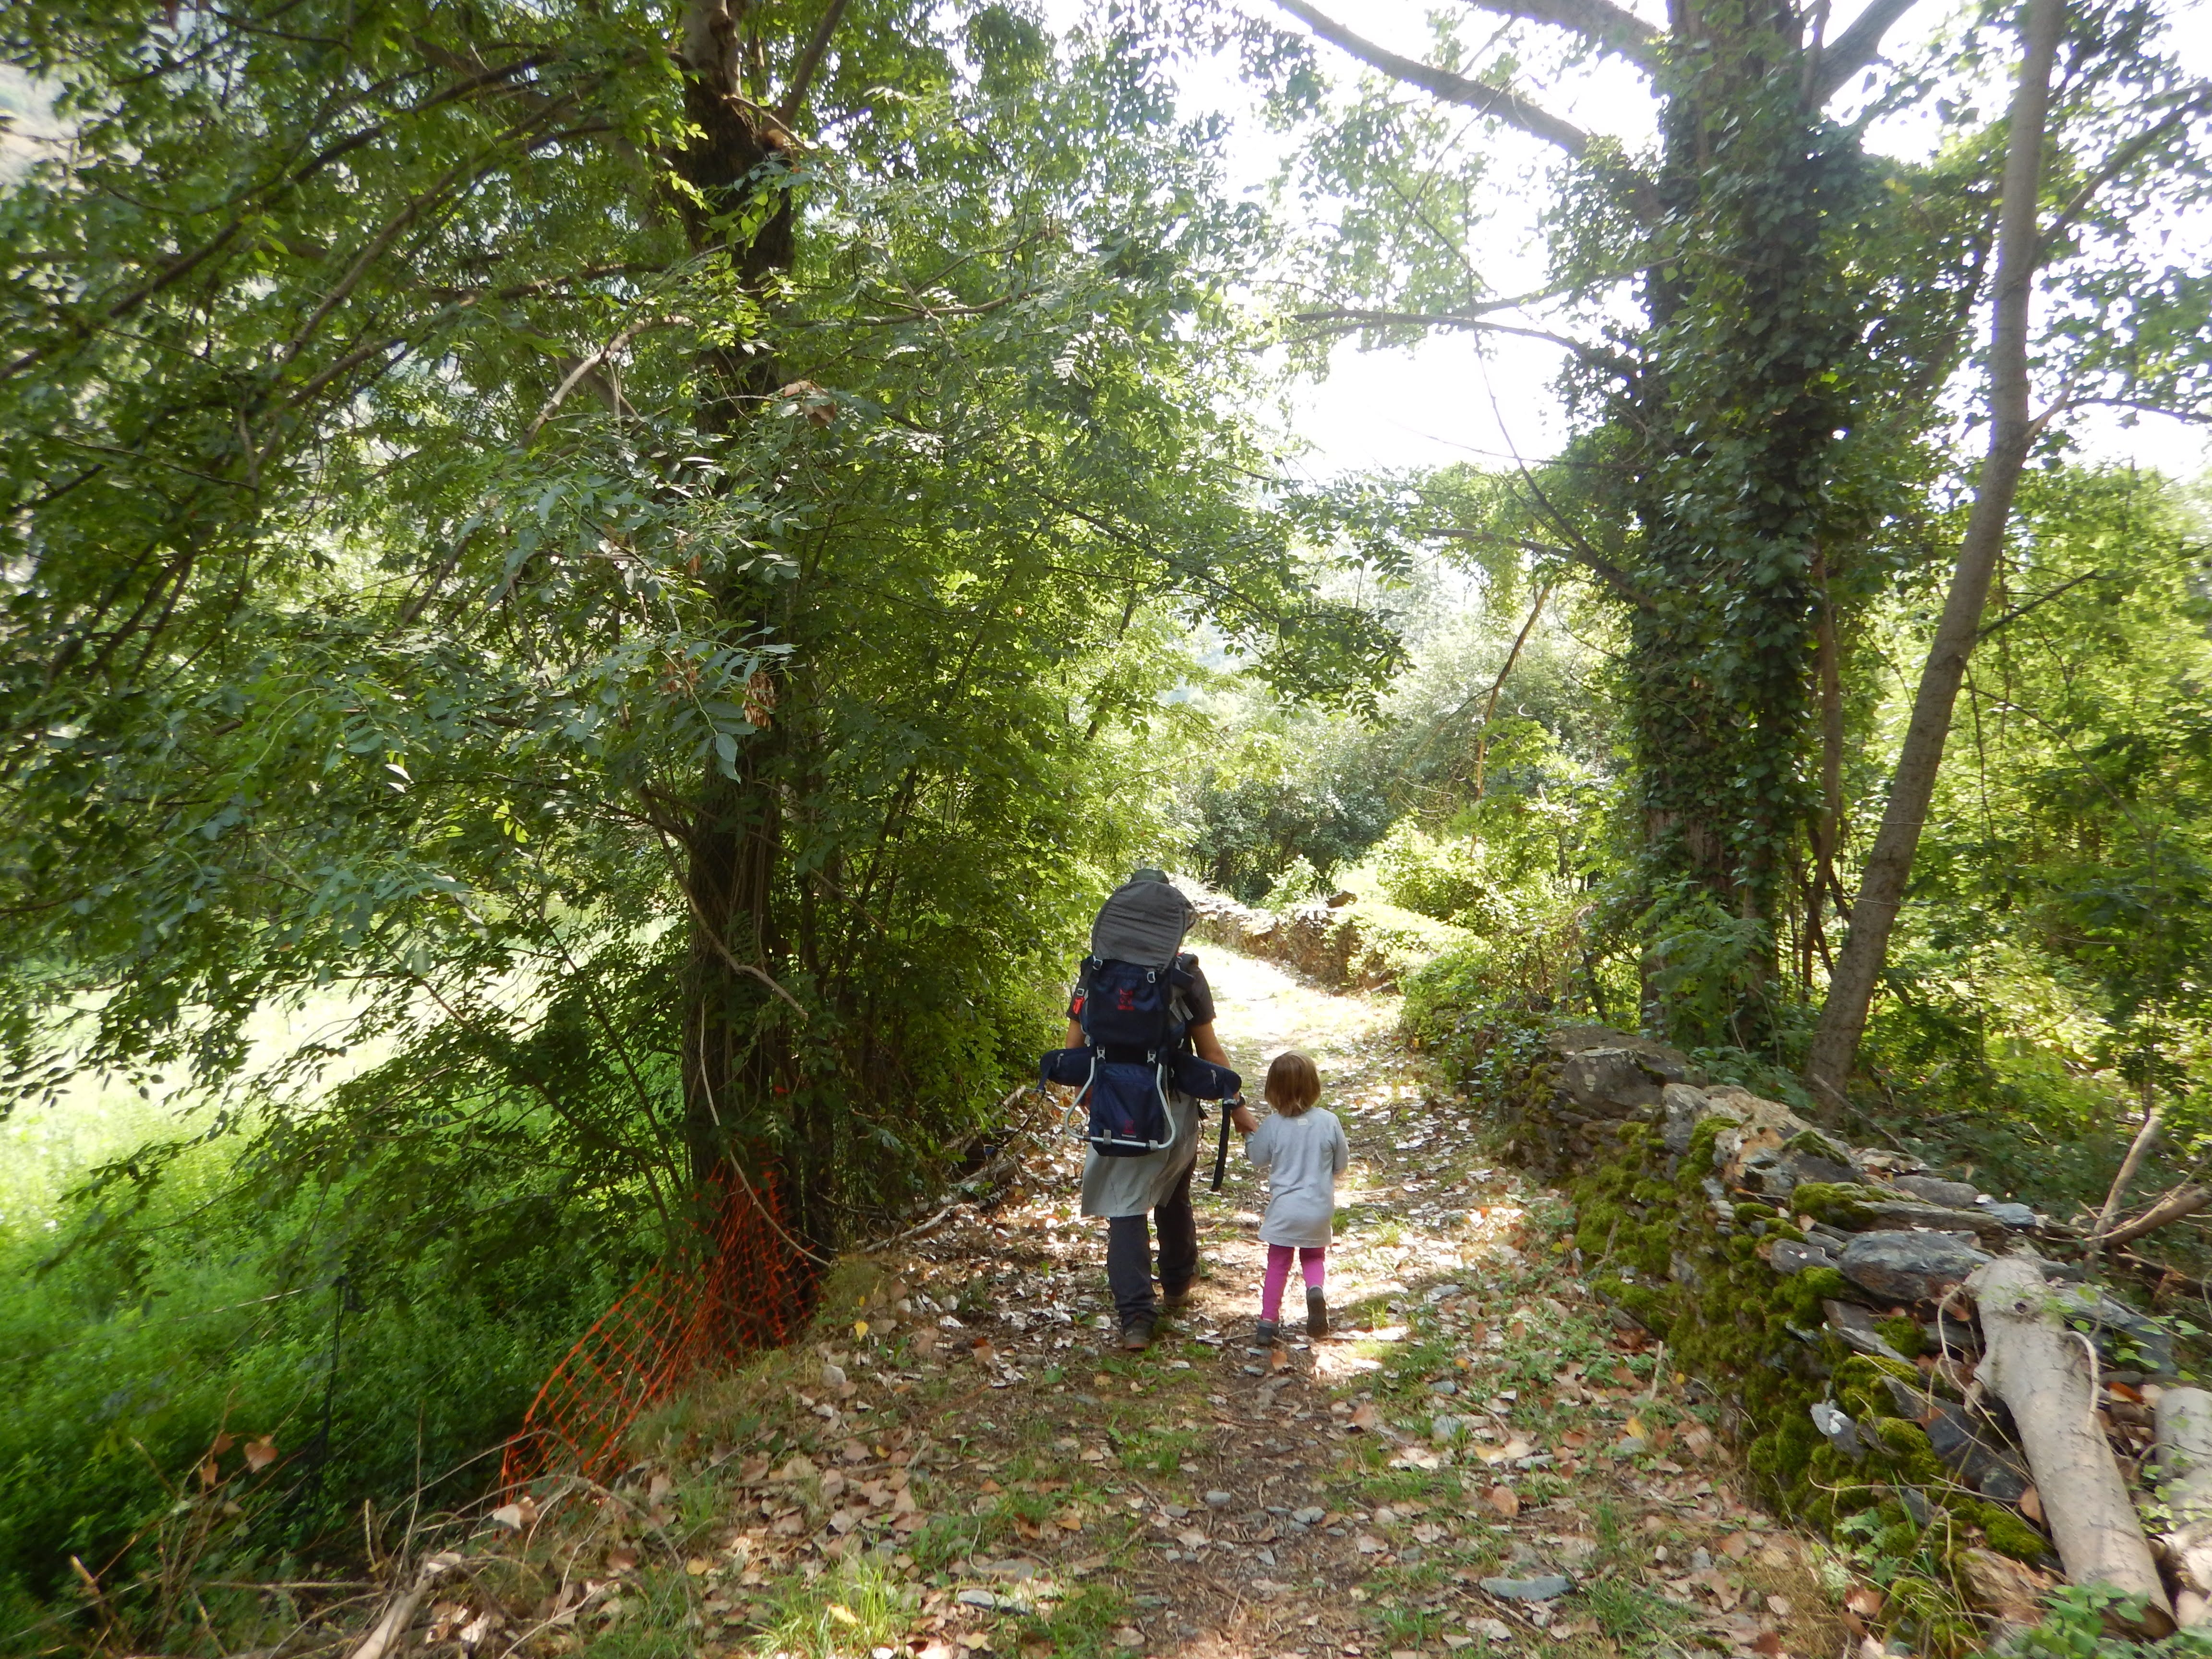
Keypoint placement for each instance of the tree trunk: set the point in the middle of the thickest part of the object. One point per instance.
(2044, 1374)
(1829, 668)
(1889, 865)
(737, 1069)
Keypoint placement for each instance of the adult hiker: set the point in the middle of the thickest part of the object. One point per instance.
(1142, 1045)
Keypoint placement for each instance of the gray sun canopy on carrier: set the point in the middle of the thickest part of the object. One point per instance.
(1144, 921)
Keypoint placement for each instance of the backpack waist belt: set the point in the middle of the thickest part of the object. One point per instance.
(1122, 1054)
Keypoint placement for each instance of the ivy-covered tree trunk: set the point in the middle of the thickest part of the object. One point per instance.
(1727, 410)
(1736, 411)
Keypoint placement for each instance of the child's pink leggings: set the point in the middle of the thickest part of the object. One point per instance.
(1313, 1258)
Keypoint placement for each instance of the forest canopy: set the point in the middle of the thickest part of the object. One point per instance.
(594, 594)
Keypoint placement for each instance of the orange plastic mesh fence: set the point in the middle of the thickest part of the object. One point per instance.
(742, 1287)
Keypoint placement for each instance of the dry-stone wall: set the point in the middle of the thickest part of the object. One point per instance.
(1343, 942)
(1815, 1287)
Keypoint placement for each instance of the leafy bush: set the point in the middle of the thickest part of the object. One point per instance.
(2076, 1627)
(1394, 945)
(1271, 799)
(1298, 883)
(1445, 877)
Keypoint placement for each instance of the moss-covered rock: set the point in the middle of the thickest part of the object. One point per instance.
(1839, 1205)
(1903, 1334)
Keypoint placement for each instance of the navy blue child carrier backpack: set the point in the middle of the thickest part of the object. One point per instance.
(1136, 1042)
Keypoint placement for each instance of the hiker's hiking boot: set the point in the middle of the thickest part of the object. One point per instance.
(1316, 1311)
(1266, 1331)
(1138, 1337)
(1175, 1301)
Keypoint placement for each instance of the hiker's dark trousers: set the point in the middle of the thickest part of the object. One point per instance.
(1129, 1254)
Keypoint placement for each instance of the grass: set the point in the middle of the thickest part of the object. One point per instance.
(654, 1622)
(1406, 1625)
(1630, 1614)
(1153, 1451)
(1421, 1486)
(857, 1606)
(1079, 1626)
(128, 1357)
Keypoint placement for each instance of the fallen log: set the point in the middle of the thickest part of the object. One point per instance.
(2185, 1461)
(2046, 1376)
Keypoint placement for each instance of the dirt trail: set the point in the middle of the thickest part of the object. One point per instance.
(1476, 1437)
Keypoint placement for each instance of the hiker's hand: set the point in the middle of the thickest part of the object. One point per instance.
(1241, 1116)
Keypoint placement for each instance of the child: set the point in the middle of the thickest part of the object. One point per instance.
(1302, 1148)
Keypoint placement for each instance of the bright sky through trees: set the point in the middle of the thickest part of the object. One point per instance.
(1450, 398)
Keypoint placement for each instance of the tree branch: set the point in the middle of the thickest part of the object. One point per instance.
(1599, 22)
(2186, 1200)
(1588, 557)
(1507, 106)
(1857, 46)
(809, 61)
(2122, 159)
(1352, 317)
(591, 363)
(2020, 611)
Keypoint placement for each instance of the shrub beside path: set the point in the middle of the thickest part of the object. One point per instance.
(961, 1461)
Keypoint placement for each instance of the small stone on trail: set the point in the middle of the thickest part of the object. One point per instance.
(1218, 1500)
(1309, 1516)
(1548, 1588)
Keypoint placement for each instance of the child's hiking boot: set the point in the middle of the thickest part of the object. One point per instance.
(1266, 1331)
(1316, 1311)
(1137, 1337)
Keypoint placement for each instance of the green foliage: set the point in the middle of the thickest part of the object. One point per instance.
(369, 1371)
(1286, 792)
(1444, 878)
(442, 543)
(2046, 944)
(1756, 460)
(2079, 1625)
